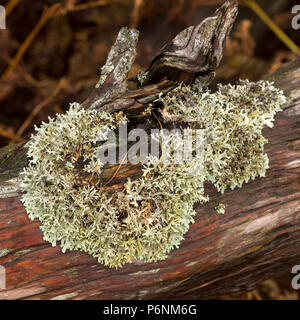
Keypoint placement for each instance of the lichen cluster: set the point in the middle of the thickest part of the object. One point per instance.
(232, 119)
(105, 71)
(150, 216)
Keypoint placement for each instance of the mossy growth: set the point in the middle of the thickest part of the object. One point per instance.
(150, 216)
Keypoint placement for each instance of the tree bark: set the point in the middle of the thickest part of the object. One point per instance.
(257, 238)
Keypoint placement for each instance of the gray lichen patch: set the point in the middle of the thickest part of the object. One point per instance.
(105, 71)
(150, 216)
(116, 69)
(120, 59)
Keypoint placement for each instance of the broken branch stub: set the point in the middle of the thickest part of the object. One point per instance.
(196, 51)
(113, 79)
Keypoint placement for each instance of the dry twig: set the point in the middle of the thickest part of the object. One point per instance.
(135, 16)
(39, 107)
(47, 14)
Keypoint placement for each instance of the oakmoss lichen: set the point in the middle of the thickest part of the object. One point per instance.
(150, 216)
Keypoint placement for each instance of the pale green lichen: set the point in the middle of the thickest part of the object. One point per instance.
(105, 71)
(232, 119)
(220, 208)
(150, 216)
(142, 78)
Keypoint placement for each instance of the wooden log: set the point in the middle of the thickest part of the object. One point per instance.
(257, 238)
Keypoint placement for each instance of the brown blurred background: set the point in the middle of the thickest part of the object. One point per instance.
(51, 54)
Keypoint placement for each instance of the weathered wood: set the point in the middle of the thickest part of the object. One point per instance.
(194, 52)
(257, 238)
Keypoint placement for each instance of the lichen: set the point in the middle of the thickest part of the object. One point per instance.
(149, 216)
(220, 208)
(105, 71)
(142, 78)
(232, 118)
